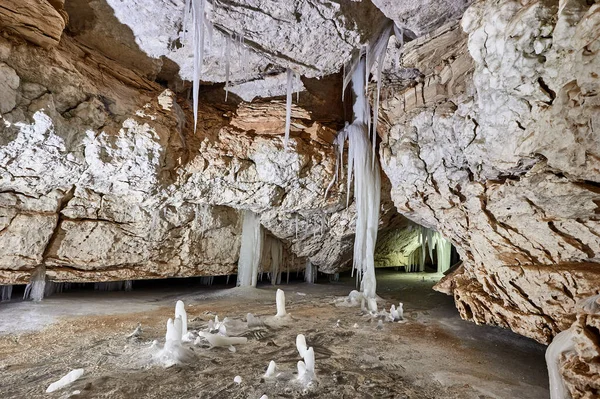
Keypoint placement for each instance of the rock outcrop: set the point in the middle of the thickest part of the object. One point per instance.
(495, 147)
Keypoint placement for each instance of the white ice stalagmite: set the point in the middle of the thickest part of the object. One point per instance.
(394, 315)
(253, 321)
(301, 369)
(237, 379)
(173, 336)
(288, 107)
(301, 344)
(309, 360)
(68, 379)
(250, 251)
(271, 370)
(280, 301)
(36, 287)
(180, 312)
(400, 310)
(562, 344)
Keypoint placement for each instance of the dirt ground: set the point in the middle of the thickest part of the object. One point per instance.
(433, 354)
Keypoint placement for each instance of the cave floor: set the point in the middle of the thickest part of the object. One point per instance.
(434, 354)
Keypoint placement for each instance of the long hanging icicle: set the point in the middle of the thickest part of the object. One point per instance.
(199, 23)
(288, 107)
(250, 251)
(227, 63)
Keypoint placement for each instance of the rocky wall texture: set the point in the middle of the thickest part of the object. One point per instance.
(102, 176)
(495, 147)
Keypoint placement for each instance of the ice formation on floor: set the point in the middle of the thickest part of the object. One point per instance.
(250, 251)
(181, 313)
(562, 345)
(237, 379)
(68, 379)
(217, 340)
(35, 289)
(280, 301)
(301, 344)
(397, 314)
(271, 369)
(253, 321)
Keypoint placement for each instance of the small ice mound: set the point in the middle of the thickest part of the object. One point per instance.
(380, 325)
(172, 352)
(216, 340)
(264, 397)
(254, 321)
(396, 314)
(68, 379)
(354, 298)
(280, 300)
(301, 345)
(173, 331)
(237, 379)
(271, 370)
(301, 369)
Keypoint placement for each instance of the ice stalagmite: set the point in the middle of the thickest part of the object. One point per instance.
(180, 312)
(309, 272)
(280, 300)
(301, 344)
(271, 369)
(288, 107)
(250, 251)
(561, 345)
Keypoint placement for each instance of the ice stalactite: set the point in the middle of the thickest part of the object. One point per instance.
(288, 107)
(197, 9)
(125, 285)
(430, 240)
(227, 63)
(562, 345)
(36, 288)
(207, 280)
(5, 293)
(181, 313)
(310, 272)
(250, 251)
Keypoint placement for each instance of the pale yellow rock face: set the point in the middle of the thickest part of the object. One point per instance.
(496, 148)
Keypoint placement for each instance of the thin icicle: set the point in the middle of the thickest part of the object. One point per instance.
(288, 108)
(227, 63)
(298, 84)
(198, 19)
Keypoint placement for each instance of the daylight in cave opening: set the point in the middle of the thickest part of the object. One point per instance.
(291, 199)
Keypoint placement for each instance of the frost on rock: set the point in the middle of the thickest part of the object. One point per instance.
(68, 379)
(280, 301)
(562, 345)
(250, 251)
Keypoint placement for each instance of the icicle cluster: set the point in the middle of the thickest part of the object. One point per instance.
(428, 241)
(250, 251)
(5, 292)
(125, 285)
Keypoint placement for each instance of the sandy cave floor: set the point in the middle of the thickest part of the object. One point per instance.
(434, 354)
